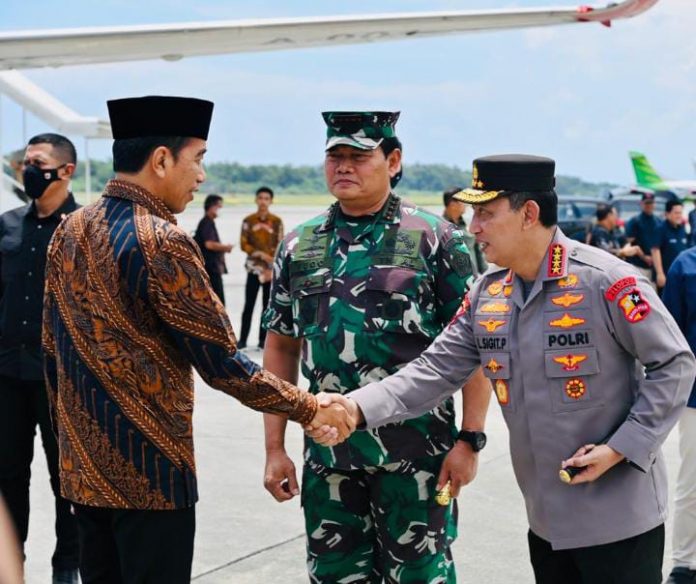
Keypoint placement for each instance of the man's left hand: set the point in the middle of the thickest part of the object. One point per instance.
(597, 459)
(459, 468)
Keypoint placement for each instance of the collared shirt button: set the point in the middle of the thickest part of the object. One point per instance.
(39, 226)
(30, 274)
(24, 322)
(26, 298)
(33, 249)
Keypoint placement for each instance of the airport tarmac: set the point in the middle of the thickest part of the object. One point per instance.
(244, 536)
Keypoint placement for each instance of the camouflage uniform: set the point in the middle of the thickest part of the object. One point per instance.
(367, 295)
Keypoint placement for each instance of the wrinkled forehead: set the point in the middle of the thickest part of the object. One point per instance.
(498, 204)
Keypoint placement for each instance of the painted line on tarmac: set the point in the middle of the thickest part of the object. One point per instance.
(249, 555)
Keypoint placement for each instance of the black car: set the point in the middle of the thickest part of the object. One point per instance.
(576, 215)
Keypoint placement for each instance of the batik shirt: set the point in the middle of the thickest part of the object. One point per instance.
(260, 235)
(128, 308)
(367, 295)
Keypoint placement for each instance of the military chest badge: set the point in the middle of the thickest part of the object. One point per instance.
(570, 362)
(493, 366)
(495, 288)
(502, 392)
(575, 388)
(570, 281)
(491, 325)
(495, 308)
(567, 321)
(635, 308)
(507, 291)
(567, 300)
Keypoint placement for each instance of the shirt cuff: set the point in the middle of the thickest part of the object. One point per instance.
(631, 441)
(376, 404)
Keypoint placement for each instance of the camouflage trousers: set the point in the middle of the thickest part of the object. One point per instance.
(378, 524)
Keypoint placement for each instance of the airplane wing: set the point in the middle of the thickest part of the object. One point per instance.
(57, 48)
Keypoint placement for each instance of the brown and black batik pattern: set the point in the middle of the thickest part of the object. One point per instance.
(128, 309)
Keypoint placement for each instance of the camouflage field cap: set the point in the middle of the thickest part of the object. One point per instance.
(363, 130)
(495, 176)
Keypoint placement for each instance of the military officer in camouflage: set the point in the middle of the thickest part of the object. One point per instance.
(590, 371)
(358, 292)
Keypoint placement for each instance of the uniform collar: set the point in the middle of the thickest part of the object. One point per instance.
(390, 213)
(68, 206)
(121, 189)
(553, 267)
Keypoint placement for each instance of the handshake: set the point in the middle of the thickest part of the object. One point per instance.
(336, 418)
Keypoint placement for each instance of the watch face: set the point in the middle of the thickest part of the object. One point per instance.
(480, 440)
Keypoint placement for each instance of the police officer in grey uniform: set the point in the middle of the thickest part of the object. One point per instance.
(590, 371)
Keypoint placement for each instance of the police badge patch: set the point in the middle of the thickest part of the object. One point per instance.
(635, 308)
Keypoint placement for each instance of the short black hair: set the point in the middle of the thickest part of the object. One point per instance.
(449, 193)
(268, 190)
(388, 145)
(131, 154)
(211, 200)
(63, 148)
(547, 201)
(603, 211)
(669, 205)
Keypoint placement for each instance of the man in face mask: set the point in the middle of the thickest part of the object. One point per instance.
(49, 163)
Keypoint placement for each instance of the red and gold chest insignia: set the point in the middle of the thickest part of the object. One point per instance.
(557, 258)
(575, 388)
(570, 281)
(502, 392)
(507, 290)
(493, 366)
(495, 288)
(570, 362)
(614, 290)
(491, 325)
(495, 308)
(634, 306)
(568, 299)
(567, 321)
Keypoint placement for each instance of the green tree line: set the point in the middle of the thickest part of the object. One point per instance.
(232, 177)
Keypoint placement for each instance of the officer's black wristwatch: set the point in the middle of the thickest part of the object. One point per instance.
(477, 440)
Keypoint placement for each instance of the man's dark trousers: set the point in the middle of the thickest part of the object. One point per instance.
(23, 405)
(636, 560)
(250, 293)
(123, 546)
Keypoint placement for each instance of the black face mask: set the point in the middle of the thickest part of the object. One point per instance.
(36, 180)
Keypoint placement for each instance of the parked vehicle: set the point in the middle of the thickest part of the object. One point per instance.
(576, 215)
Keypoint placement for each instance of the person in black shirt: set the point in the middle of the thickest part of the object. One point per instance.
(641, 230)
(670, 241)
(208, 240)
(604, 235)
(25, 232)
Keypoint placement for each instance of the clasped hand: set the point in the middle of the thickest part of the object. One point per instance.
(336, 418)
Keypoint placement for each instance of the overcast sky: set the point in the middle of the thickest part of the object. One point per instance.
(582, 94)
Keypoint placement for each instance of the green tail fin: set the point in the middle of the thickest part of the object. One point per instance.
(646, 175)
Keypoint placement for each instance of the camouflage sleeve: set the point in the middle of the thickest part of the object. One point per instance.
(278, 315)
(454, 271)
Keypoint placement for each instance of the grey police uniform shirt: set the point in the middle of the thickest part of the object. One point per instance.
(592, 352)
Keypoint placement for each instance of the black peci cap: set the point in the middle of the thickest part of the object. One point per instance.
(494, 176)
(159, 115)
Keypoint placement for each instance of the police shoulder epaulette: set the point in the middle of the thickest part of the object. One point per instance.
(594, 257)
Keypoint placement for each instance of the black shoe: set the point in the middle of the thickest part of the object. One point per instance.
(682, 576)
(241, 344)
(65, 577)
